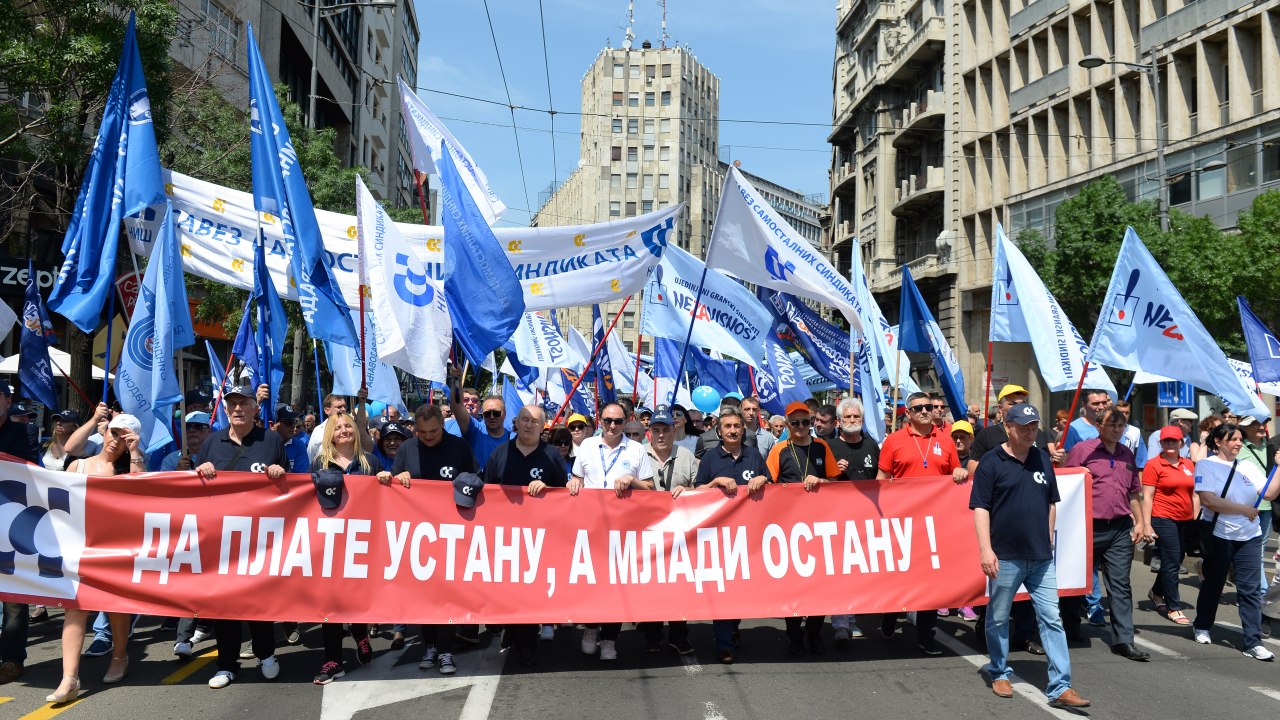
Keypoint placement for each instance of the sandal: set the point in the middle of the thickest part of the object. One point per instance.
(1178, 618)
(1161, 607)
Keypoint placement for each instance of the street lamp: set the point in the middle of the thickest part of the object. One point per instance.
(1089, 62)
(316, 11)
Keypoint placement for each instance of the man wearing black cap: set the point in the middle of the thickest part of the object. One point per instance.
(198, 400)
(286, 426)
(21, 412)
(436, 455)
(1014, 501)
(390, 440)
(243, 446)
(527, 461)
(21, 441)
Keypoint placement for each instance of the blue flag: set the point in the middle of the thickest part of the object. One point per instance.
(919, 332)
(245, 347)
(1264, 348)
(606, 392)
(280, 189)
(485, 297)
(122, 179)
(35, 371)
(720, 375)
(272, 326)
(577, 401)
(824, 345)
(778, 383)
(219, 384)
(146, 378)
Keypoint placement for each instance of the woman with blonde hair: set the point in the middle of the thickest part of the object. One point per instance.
(339, 456)
(120, 454)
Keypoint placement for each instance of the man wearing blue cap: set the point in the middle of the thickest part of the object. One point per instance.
(1014, 502)
(197, 427)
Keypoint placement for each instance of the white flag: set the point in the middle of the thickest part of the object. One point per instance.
(1023, 310)
(410, 317)
(537, 343)
(428, 138)
(753, 242)
(7, 320)
(379, 377)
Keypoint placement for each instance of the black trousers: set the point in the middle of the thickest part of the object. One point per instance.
(441, 636)
(231, 633)
(812, 625)
(677, 631)
(333, 636)
(1113, 554)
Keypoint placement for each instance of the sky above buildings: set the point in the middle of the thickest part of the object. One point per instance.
(774, 61)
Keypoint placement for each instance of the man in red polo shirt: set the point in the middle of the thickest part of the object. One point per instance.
(919, 449)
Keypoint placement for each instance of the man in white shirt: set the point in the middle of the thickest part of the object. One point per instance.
(609, 461)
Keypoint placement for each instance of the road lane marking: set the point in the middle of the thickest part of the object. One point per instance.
(384, 682)
(51, 710)
(1159, 649)
(711, 712)
(190, 667)
(691, 665)
(1020, 686)
(1273, 694)
(4, 700)
(1234, 626)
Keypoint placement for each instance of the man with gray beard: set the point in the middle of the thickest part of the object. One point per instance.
(857, 456)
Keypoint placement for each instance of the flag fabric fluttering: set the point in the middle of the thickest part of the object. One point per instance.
(348, 367)
(537, 343)
(146, 378)
(485, 297)
(779, 383)
(280, 190)
(1023, 310)
(919, 332)
(35, 371)
(245, 349)
(751, 241)
(406, 305)
(1264, 348)
(1146, 325)
(219, 384)
(824, 345)
(429, 139)
(122, 179)
(602, 369)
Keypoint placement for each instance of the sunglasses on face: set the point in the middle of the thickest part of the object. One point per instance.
(577, 427)
(800, 423)
(562, 443)
(612, 421)
(492, 413)
(922, 408)
(196, 426)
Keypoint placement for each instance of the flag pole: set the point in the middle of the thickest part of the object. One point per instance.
(182, 406)
(635, 378)
(986, 398)
(72, 383)
(315, 357)
(603, 339)
(684, 347)
(106, 360)
(897, 380)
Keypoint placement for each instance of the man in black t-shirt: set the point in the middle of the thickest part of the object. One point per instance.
(1014, 502)
(857, 454)
(527, 461)
(994, 434)
(432, 454)
(19, 440)
(243, 446)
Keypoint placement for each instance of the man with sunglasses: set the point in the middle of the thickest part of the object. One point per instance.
(802, 458)
(482, 437)
(609, 461)
(286, 426)
(919, 449)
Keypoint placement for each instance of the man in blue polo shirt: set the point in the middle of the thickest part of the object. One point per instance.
(1014, 502)
(483, 436)
(727, 467)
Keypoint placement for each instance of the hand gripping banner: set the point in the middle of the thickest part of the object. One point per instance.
(240, 546)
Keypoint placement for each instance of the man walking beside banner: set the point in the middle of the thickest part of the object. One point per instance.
(674, 469)
(856, 455)
(245, 447)
(1014, 501)
(1117, 527)
(610, 461)
(920, 449)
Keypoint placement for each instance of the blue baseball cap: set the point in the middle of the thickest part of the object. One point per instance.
(1022, 414)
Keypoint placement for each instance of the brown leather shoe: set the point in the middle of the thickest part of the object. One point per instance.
(9, 672)
(1069, 699)
(1002, 688)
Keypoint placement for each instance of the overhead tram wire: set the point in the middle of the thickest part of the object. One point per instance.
(546, 67)
(510, 105)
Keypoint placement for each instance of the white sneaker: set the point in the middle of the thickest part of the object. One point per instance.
(608, 650)
(547, 633)
(270, 668)
(1257, 652)
(200, 636)
(1202, 637)
(589, 641)
(222, 679)
(182, 649)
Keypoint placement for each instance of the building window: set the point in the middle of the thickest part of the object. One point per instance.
(617, 71)
(664, 181)
(635, 72)
(617, 152)
(666, 98)
(665, 125)
(1271, 160)
(224, 31)
(633, 127)
(631, 209)
(648, 127)
(650, 71)
(633, 100)
(615, 181)
(648, 153)
(617, 125)
(646, 206)
(631, 181)
(648, 182)
(617, 99)
(649, 99)
(666, 70)
(665, 153)
(632, 154)
(615, 208)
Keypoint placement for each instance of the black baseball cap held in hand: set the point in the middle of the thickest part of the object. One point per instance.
(466, 489)
(329, 484)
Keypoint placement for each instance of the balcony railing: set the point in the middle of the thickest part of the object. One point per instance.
(1037, 90)
(1186, 19)
(1032, 14)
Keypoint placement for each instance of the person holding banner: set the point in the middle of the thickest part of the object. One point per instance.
(1169, 504)
(526, 461)
(674, 469)
(1230, 491)
(243, 446)
(805, 459)
(610, 461)
(483, 437)
(1014, 501)
(432, 454)
(856, 455)
(1117, 525)
(728, 467)
(120, 454)
(919, 449)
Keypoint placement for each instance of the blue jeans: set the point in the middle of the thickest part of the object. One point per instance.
(1246, 555)
(1093, 599)
(1264, 519)
(102, 627)
(1041, 580)
(723, 631)
(13, 637)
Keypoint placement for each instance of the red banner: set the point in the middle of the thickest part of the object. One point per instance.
(241, 546)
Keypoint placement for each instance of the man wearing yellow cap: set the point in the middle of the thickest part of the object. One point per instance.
(995, 435)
